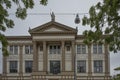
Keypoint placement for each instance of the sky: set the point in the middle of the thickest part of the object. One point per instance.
(57, 6)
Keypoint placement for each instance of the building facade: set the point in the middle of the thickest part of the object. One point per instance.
(54, 51)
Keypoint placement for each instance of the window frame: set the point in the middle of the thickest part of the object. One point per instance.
(13, 66)
(54, 49)
(28, 49)
(14, 49)
(52, 67)
(28, 63)
(81, 66)
(68, 48)
(81, 49)
(98, 66)
(98, 49)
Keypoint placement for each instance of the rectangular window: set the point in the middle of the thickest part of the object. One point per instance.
(55, 67)
(98, 66)
(81, 66)
(28, 49)
(67, 48)
(54, 49)
(28, 66)
(41, 48)
(13, 66)
(13, 49)
(81, 49)
(97, 48)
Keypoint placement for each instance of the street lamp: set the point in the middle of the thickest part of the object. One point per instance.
(77, 21)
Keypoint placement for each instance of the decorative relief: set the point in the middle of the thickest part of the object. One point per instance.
(27, 56)
(53, 29)
(97, 56)
(54, 56)
(81, 56)
(13, 57)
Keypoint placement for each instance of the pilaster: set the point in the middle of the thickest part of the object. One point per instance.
(89, 61)
(63, 56)
(73, 55)
(21, 60)
(35, 57)
(106, 60)
(45, 65)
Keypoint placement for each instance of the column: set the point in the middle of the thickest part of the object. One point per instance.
(73, 56)
(21, 60)
(106, 60)
(63, 56)
(89, 61)
(35, 57)
(45, 55)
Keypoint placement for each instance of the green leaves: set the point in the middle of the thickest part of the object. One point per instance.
(28, 3)
(4, 44)
(117, 77)
(105, 20)
(43, 2)
(21, 12)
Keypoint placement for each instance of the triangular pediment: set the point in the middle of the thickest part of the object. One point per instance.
(52, 27)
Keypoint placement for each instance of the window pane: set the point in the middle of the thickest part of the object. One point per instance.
(55, 67)
(95, 49)
(81, 66)
(41, 48)
(28, 66)
(50, 49)
(15, 49)
(98, 66)
(99, 49)
(54, 49)
(13, 66)
(31, 49)
(11, 50)
(83, 49)
(67, 48)
(78, 49)
(27, 49)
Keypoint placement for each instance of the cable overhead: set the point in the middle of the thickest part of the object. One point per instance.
(55, 13)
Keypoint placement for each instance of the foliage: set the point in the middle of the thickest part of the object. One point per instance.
(104, 18)
(21, 12)
(117, 77)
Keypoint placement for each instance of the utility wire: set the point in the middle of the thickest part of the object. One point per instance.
(54, 13)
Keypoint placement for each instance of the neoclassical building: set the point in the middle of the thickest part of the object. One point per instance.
(54, 51)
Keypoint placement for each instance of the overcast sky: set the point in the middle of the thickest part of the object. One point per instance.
(57, 6)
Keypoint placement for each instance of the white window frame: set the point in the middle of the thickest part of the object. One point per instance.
(81, 49)
(28, 49)
(98, 49)
(15, 49)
